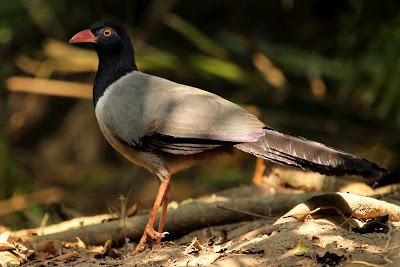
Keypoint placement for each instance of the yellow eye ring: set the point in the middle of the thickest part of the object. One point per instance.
(107, 32)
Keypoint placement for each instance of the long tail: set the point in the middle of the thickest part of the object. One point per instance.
(314, 156)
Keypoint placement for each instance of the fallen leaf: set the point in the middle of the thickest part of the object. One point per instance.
(45, 249)
(6, 248)
(300, 249)
(9, 259)
(81, 244)
(4, 237)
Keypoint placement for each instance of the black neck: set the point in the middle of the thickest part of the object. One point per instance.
(113, 64)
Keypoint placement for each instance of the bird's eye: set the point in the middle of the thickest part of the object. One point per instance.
(107, 32)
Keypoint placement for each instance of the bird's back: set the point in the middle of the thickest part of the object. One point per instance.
(140, 104)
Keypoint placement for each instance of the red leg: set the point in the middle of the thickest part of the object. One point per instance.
(163, 214)
(149, 229)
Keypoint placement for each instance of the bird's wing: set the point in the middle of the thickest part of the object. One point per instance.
(157, 114)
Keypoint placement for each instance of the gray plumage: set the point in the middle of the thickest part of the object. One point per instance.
(138, 104)
(145, 114)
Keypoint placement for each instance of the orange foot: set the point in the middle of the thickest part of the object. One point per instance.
(148, 232)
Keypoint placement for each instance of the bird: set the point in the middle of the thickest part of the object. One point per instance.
(166, 127)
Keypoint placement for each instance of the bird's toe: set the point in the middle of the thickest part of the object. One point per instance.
(153, 234)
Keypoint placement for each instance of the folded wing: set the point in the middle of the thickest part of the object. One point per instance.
(162, 115)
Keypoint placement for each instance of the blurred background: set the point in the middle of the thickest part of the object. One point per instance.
(326, 70)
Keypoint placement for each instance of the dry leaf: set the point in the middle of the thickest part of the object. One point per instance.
(4, 237)
(300, 249)
(6, 248)
(45, 249)
(9, 259)
(81, 244)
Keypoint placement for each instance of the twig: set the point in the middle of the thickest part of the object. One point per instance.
(244, 212)
(49, 87)
(44, 222)
(389, 235)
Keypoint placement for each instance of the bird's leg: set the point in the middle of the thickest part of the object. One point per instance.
(149, 229)
(163, 214)
(258, 172)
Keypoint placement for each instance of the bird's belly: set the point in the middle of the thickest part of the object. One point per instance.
(148, 160)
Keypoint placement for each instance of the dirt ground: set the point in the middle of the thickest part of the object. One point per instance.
(312, 241)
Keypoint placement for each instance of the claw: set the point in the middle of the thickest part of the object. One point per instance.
(148, 232)
(153, 234)
(137, 250)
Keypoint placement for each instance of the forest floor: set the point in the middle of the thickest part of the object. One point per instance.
(227, 231)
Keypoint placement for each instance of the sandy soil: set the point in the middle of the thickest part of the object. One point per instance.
(310, 243)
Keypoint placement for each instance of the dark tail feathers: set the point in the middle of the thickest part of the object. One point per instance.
(306, 154)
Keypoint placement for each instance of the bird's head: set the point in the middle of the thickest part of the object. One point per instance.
(115, 52)
(104, 35)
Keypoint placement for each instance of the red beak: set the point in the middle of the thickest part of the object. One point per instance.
(85, 36)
